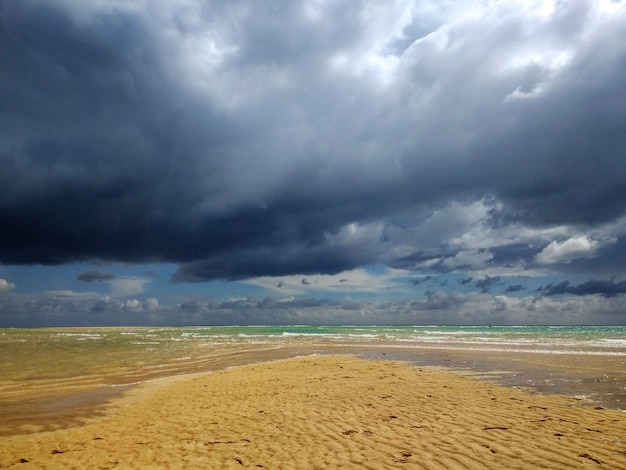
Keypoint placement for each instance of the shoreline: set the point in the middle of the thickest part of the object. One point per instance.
(595, 381)
(330, 411)
(600, 379)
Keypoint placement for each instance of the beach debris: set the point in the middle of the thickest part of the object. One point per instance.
(587, 456)
(402, 457)
(488, 448)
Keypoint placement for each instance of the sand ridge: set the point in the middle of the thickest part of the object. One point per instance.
(332, 412)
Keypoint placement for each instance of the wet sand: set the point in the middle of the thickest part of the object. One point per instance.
(47, 405)
(57, 404)
(331, 411)
(600, 379)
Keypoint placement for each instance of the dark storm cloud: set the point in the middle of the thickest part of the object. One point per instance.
(280, 260)
(94, 276)
(487, 282)
(514, 288)
(244, 140)
(592, 287)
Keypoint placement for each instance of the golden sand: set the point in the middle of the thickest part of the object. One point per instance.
(331, 412)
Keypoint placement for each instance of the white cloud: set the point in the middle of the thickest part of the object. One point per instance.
(468, 258)
(125, 287)
(429, 263)
(372, 56)
(519, 94)
(6, 286)
(151, 304)
(356, 280)
(71, 294)
(108, 303)
(355, 233)
(568, 250)
(132, 305)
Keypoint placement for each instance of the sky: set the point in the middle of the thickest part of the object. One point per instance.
(188, 162)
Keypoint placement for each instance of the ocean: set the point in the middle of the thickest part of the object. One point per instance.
(58, 369)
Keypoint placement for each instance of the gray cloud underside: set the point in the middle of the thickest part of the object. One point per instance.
(241, 140)
(95, 276)
(592, 287)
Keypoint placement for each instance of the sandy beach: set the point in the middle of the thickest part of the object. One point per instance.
(330, 411)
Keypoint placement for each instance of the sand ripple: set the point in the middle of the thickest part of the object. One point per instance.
(332, 412)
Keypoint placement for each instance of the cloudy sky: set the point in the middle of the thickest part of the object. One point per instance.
(314, 161)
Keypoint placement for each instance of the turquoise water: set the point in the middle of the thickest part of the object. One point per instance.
(117, 343)
(570, 339)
